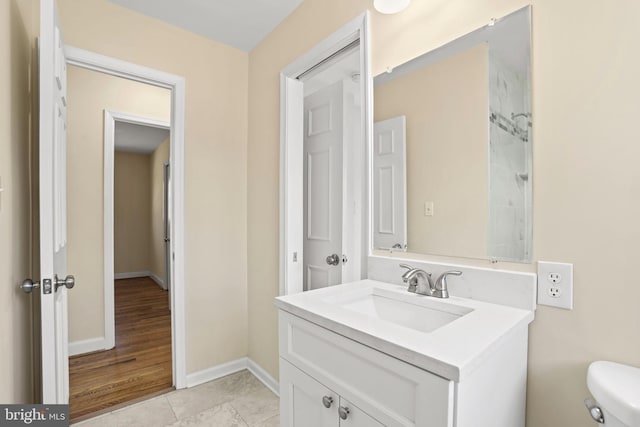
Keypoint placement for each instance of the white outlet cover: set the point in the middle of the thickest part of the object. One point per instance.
(560, 293)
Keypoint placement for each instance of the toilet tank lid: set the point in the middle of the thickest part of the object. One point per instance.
(616, 388)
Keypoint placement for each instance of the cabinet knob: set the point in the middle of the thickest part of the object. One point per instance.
(343, 411)
(327, 401)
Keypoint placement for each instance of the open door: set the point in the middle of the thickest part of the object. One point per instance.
(53, 218)
(323, 125)
(390, 184)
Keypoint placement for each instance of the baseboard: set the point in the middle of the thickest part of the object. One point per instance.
(216, 372)
(261, 374)
(87, 346)
(158, 281)
(234, 366)
(132, 275)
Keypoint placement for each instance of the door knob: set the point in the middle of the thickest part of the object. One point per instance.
(68, 281)
(29, 285)
(333, 259)
(327, 401)
(343, 411)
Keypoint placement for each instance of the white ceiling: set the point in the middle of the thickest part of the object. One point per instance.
(138, 138)
(238, 23)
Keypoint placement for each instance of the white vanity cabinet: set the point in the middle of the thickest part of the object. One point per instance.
(323, 359)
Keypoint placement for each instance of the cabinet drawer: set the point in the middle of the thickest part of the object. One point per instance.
(392, 391)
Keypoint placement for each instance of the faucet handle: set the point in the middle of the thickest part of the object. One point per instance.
(451, 273)
(405, 277)
(441, 288)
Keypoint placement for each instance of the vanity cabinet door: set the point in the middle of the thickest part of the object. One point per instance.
(352, 416)
(304, 402)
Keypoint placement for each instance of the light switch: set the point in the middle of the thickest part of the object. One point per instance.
(428, 208)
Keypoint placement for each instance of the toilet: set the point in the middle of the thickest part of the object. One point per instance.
(616, 390)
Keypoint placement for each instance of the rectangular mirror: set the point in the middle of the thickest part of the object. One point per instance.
(451, 156)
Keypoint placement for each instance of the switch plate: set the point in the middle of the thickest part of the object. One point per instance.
(428, 208)
(555, 284)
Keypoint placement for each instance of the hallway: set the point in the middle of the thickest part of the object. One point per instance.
(139, 365)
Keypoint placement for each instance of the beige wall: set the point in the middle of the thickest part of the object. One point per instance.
(17, 41)
(131, 212)
(156, 257)
(215, 163)
(89, 94)
(586, 210)
(585, 94)
(447, 101)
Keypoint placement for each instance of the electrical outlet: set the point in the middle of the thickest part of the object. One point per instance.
(555, 284)
(554, 278)
(554, 291)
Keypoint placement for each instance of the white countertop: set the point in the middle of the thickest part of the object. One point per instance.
(452, 351)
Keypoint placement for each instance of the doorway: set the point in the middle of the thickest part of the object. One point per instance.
(171, 211)
(321, 246)
(119, 158)
(332, 143)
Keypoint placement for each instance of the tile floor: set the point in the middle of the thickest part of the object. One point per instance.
(238, 400)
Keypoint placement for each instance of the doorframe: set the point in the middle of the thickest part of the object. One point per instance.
(119, 68)
(291, 148)
(110, 119)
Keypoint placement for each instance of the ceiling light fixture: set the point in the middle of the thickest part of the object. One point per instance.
(389, 7)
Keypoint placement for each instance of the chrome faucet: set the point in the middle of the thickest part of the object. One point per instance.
(420, 282)
(441, 288)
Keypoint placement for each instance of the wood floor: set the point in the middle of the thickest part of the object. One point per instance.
(139, 365)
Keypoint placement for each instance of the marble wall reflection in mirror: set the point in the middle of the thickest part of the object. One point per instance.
(452, 148)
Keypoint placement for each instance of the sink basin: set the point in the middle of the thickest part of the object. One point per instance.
(421, 313)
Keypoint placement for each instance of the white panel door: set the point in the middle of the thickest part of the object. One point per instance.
(53, 216)
(304, 402)
(390, 184)
(323, 187)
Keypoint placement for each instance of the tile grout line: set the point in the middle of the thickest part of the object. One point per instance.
(172, 410)
(239, 414)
